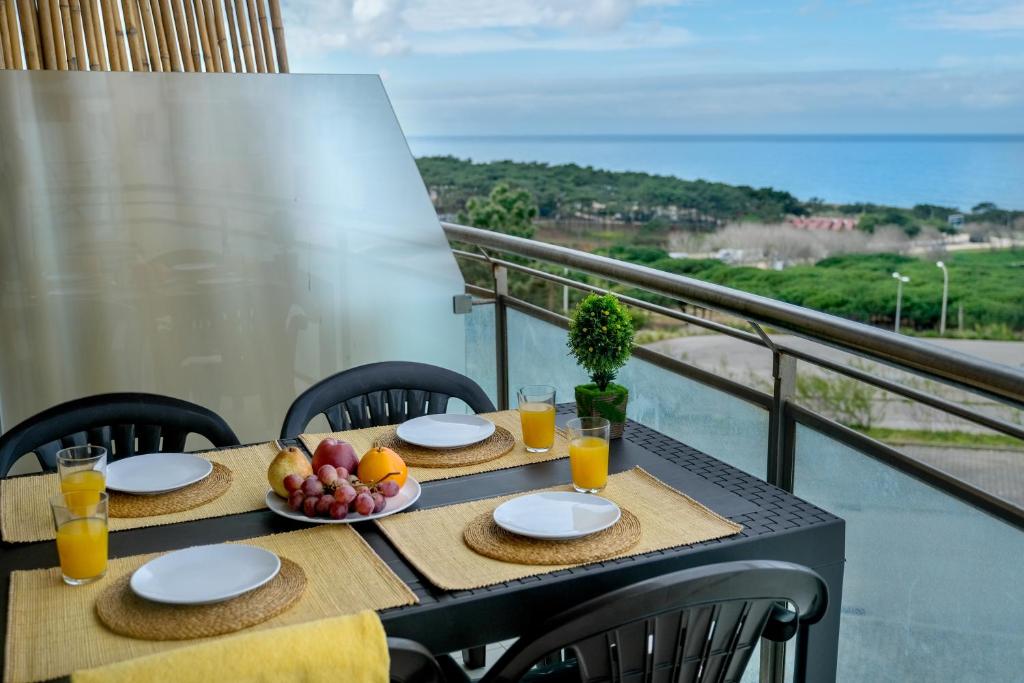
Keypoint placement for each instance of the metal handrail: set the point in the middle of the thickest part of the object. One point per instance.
(970, 372)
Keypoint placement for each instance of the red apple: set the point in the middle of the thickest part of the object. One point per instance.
(336, 453)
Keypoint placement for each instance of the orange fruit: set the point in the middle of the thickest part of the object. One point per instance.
(378, 463)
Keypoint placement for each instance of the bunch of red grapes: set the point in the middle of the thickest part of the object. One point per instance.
(334, 492)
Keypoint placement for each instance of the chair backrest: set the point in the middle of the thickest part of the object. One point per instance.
(143, 35)
(695, 624)
(125, 424)
(382, 394)
(413, 663)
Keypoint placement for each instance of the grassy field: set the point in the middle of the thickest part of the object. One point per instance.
(989, 285)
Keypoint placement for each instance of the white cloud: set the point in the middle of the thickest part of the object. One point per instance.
(384, 27)
(879, 101)
(1007, 17)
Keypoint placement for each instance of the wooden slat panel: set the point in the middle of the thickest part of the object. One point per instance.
(5, 49)
(114, 30)
(6, 53)
(222, 36)
(9, 24)
(116, 40)
(161, 37)
(46, 32)
(133, 30)
(59, 42)
(78, 34)
(165, 24)
(243, 35)
(215, 37)
(94, 36)
(277, 24)
(257, 44)
(268, 43)
(204, 36)
(30, 33)
(236, 53)
(181, 29)
(149, 28)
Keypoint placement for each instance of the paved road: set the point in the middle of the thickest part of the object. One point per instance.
(752, 365)
(1000, 472)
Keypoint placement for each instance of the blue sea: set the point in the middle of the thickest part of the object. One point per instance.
(899, 170)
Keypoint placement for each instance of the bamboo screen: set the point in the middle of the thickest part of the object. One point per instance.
(240, 36)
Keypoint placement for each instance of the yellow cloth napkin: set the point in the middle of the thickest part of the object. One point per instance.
(352, 648)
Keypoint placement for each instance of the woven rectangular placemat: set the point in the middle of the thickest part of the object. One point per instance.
(52, 629)
(362, 440)
(25, 501)
(432, 539)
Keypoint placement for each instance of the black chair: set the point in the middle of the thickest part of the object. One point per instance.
(697, 624)
(125, 424)
(413, 663)
(382, 394)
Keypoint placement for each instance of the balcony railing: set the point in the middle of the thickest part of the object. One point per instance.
(917, 536)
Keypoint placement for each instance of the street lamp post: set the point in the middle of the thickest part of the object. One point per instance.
(945, 297)
(900, 279)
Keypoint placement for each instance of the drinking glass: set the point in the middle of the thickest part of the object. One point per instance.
(80, 518)
(537, 411)
(588, 452)
(82, 468)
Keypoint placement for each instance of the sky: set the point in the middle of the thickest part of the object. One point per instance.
(549, 67)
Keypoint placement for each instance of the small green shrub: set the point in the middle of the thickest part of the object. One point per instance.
(601, 337)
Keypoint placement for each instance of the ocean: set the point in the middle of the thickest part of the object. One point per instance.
(899, 170)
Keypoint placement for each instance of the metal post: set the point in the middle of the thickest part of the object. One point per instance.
(945, 298)
(960, 318)
(900, 279)
(781, 466)
(565, 295)
(773, 662)
(501, 333)
(780, 442)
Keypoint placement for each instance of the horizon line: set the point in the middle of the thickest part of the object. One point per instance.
(470, 136)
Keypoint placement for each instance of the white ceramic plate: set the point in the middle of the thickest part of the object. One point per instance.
(445, 431)
(557, 515)
(156, 472)
(205, 574)
(407, 495)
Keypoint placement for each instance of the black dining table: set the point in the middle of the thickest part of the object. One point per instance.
(776, 526)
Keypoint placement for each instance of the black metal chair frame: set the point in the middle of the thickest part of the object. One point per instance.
(125, 424)
(703, 621)
(381, 394)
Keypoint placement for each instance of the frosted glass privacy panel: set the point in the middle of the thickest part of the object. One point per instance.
(226, 239)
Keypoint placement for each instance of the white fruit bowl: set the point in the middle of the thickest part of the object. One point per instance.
(407, 495)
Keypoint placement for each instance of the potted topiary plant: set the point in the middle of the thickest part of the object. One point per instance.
(601, 340)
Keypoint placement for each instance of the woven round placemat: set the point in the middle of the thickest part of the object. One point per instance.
(125, 613)
(496, 445)
(485, 537)
(199, 493)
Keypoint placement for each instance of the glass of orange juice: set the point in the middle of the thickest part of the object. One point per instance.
(80, 518)
(82, 468)
(588, 452)
(537, 411)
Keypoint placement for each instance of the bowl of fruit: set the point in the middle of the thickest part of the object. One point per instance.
(338, 487)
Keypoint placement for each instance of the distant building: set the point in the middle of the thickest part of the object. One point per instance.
(829, 223)
(956, 221)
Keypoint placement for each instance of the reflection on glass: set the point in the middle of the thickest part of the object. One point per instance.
(220, 239)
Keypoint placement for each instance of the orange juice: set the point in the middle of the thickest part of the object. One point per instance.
(82, 546)
(588, 459)
(538, 425)
(83, 480)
